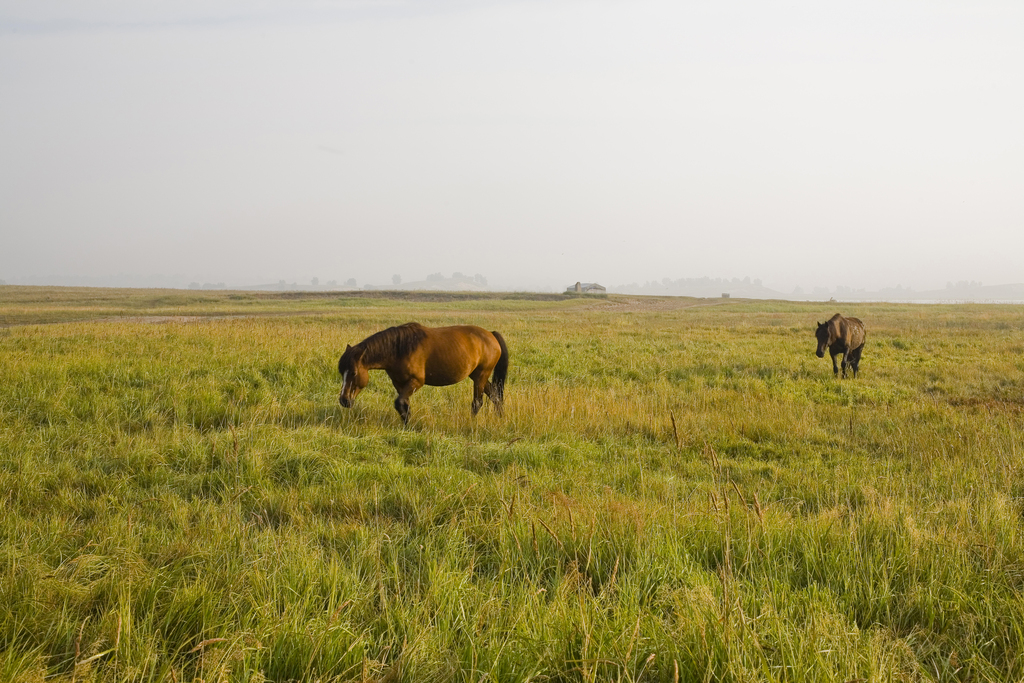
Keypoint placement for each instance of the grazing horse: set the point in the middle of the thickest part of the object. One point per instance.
(414, 355)
(841, 335)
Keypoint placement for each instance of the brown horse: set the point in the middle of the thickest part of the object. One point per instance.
(414, 355)
(841, 335)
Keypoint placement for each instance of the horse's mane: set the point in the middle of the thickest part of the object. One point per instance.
(394, 342)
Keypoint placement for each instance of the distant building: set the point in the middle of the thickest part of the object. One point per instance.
(725, 295)
(586, 288)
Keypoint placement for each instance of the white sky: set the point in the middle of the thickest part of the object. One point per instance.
(538, 143)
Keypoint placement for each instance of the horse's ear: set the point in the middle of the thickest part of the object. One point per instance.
(358, 353)
(348, 346)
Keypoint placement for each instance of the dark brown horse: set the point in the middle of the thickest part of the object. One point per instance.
(414, 355)
(841, 335)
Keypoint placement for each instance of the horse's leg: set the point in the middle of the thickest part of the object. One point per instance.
(856, 361)
(835, 368)
(479, 389)
(846, 362)
(492, 394)
(482, 386)
(405, 391)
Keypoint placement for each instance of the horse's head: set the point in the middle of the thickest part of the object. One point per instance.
(824, 336)
(354, 375)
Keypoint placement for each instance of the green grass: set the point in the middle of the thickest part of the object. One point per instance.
(679, 490)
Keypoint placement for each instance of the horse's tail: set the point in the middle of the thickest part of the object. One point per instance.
(501, 369)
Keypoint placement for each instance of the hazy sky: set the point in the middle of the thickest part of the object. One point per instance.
(861, 144)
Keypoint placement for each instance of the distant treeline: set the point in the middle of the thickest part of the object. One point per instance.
(701, 287)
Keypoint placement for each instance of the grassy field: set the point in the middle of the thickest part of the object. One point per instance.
(679, 491)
